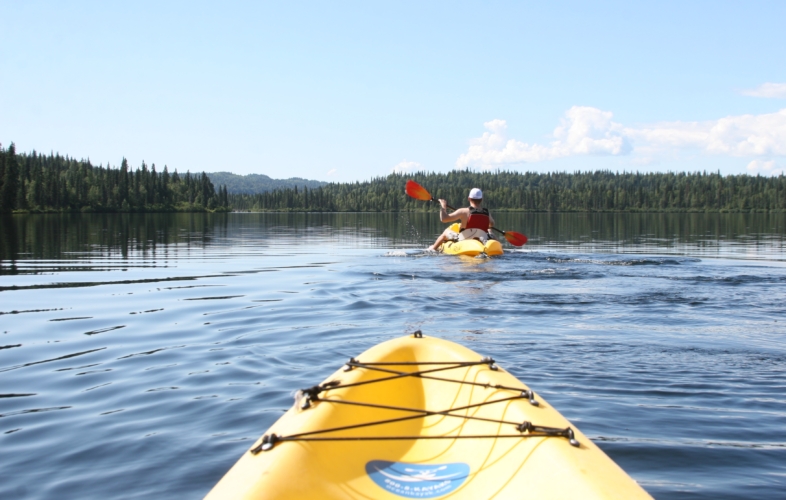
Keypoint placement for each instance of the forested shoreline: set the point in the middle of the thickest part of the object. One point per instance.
(600, 191)
(54, 183)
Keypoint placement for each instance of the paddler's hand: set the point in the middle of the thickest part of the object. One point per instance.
(443, 204)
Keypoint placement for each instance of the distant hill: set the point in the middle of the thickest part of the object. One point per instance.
(258, 183)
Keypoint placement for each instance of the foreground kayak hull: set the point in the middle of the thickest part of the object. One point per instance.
(472, 248)
(465, 445)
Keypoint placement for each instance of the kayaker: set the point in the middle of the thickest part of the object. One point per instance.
(475, 221)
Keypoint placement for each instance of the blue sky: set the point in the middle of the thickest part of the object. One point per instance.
(344, 91)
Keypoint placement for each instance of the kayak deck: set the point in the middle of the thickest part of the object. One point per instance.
(471, 247)
(423, 418)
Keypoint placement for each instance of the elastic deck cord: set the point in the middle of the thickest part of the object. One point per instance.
(312, 394)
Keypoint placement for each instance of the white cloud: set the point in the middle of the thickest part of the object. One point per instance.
(743, 135)
(765, 167)
(406, 166)
(591, 131)
(331, 171)
(776, 90)
(583, 130)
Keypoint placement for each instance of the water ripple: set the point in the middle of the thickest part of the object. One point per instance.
(672, 362)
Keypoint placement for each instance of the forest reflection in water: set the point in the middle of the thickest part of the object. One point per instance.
(51, 236)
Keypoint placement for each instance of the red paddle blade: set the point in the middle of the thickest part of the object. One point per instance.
(417, 191)
(515, 239)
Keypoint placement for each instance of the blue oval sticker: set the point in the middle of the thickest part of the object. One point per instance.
(417, 480)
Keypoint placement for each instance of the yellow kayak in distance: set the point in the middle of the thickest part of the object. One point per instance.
(471, 248)
(421, 417)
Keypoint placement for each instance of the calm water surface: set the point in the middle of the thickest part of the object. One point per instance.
(141, 355)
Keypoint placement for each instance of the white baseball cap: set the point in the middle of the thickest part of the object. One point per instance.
(475, 194)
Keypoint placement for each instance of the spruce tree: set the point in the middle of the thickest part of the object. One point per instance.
(10, 187)
(123, 191)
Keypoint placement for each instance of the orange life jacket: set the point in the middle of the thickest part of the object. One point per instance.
(478, 219)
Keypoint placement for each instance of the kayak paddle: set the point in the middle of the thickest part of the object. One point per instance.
(418, 192)
(514, 238)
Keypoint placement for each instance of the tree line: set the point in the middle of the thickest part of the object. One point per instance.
(41, 183)
(600, 191)
(36, 182)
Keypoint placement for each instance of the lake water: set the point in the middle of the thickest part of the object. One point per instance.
(140, 355)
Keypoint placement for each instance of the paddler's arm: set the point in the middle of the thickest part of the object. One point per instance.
(444, 216)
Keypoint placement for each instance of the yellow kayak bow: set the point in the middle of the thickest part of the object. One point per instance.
(419, 417)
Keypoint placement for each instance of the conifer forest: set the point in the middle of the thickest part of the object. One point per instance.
(39, 183)
(42, 183)
(601, 191)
